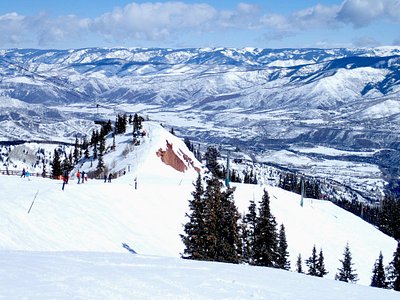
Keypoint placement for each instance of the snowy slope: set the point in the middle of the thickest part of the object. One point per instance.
(100, 217)
(94, 275)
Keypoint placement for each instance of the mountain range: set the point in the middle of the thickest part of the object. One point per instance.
(261, 101)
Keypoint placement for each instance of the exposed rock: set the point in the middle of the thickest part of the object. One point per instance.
(180, 163)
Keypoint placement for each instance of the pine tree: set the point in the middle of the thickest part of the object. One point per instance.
(394, 270)
(251, 221)
(195, 230)
(211, 157)
(283, 254)
(221, 217)
(299, 267)
(245, 249)
(378, 273)
(67, 164)
(312, 263)
(265, 236)
(44, 171)
(95, 151)
(76, 151)
(346, 272)
(220, 241)
(100, 164)
(389, 220)
(321, 271)
(56, 165)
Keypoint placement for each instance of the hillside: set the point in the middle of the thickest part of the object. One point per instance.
(262, 101)
(67, 230)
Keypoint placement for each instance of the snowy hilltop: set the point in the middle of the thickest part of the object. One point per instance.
(79, 242)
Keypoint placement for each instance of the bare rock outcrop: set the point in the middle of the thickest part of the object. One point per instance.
(180, 162)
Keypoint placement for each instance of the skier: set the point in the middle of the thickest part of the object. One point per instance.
(110, 177)
(23, 173)
(78, 175)
(66, 176)
(83, 176)
(105, 177)
(27, 174)
(65, 179)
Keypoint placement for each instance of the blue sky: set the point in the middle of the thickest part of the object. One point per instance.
(176, 24)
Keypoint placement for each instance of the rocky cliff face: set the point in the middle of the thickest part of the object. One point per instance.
(177, 160)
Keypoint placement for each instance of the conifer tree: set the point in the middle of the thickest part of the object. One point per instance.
(346, 272)
(211, 157)
(265, 236)
(389, 220)
(220, 241)
(283, 254)
(321, 271)
(229, 229)
(56, 165)
(44, 171)
(394, 270)
(76, 151)
(312, 263)
(378, 273)
(100, 164)
(251, 221)
(67, 164)
(299, 267)
(245, 249)
(195, 230)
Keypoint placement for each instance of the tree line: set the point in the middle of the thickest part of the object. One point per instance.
(215, 231)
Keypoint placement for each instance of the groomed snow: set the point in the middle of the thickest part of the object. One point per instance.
(70, 244)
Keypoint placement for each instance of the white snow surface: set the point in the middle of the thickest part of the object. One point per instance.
(70, 244)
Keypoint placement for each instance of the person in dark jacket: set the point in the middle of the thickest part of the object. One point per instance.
(110, 177)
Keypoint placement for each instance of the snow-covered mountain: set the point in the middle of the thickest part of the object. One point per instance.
(257, 100)
(63, 244)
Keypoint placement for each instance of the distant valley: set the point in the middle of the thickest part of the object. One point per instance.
(330, 113)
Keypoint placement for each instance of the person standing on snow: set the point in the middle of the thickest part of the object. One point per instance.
(23, 173)
(78, 175)
(83, 176)
(110, 177)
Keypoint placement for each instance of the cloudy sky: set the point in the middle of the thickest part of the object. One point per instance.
(177, 24)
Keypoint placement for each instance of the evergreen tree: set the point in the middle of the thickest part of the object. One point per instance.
(299, 267)
(211, 157)
(346, 272)
(378, 273)
(312, 263)
(389, 217)
(265, 236)
(44, 171)
(220, 219)
(245, 249)
(100, 164)
(321, 271)
(283, 254)
(195, 230)
(394, 270)
(85, 147)
(137, 124)
(76, 151)
(66, 165)
(56, 165)
(251, 221)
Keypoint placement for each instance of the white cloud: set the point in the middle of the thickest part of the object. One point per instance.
(11, 27)
(361, 13)
(152, 21)
(158, 21)
(366, 41)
